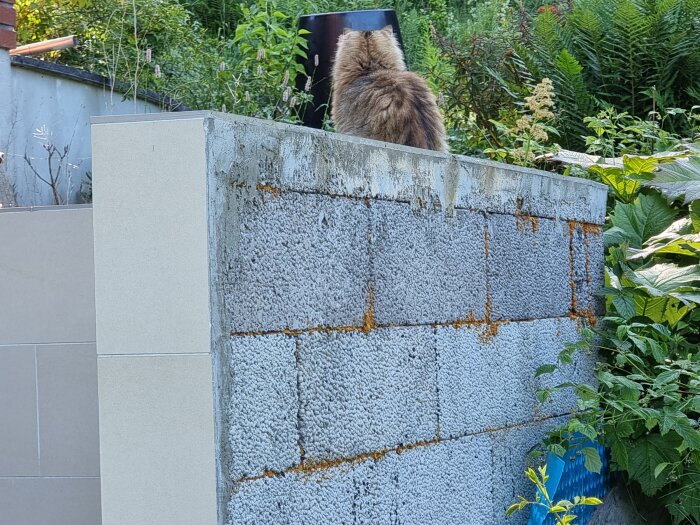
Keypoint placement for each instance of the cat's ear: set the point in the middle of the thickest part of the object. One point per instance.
(388, 30)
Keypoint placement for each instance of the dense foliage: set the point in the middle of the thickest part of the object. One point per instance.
(646, 404)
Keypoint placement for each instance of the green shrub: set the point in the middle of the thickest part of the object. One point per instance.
(157, 44)
(638, 56)
(646, 404)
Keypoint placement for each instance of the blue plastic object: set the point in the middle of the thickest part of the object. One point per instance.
(569, 478)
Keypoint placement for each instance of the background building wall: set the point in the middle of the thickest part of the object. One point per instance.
(46, 104)
(49, 447)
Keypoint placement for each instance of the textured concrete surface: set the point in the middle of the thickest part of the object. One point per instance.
(360, 393)
(528, 267)
(361, 282)
(376, 317)
(300, 261)
(587, 252)
(487, 382)
(428, 267)
(262, 404)
(406, 488)
(301, 159)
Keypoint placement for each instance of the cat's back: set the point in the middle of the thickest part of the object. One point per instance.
(394, 106)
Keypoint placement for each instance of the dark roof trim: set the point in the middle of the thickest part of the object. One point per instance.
(85, 77)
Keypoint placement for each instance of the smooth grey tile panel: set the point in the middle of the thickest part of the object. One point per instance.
(19, 455)
(68, 410)
(47, 276)
(157, 446)
(50, 501)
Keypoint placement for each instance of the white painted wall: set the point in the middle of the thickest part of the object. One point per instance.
(60, 108)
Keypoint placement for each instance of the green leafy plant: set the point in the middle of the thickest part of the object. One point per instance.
(563, 510)
(263, 83)
(637, 56)
(527, 138)
(646, 404)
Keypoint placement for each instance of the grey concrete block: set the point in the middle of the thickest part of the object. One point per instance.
(445, 484)
(440, 484)
(300, 159)
(528, 268)
(261, 405)
(428, 267)
(297, 499)
(364, 392)
(589, 267)
(487, 382)
(550, 342)
(296, 261)
(510, 459)
(484, 383)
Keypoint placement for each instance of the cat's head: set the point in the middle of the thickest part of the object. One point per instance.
(370, 50)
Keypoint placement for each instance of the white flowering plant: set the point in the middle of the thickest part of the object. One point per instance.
(525, 140)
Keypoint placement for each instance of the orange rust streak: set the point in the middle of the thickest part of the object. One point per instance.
(368, 322)
(572, 282)
(312, 467)
(269, 189)
(593, 229)
(487, 239)
(470, 320)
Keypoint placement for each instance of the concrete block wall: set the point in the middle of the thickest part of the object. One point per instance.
(49, 447)
(375, 315)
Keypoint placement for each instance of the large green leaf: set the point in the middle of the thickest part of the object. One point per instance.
(648, 452)
(695, 215)
(684, 503)
(624, 187)
(667, 279)
(680, 178)
(647, 216)
(676, 239)
(661, 309)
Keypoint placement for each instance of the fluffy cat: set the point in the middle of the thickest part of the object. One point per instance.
(376, 98)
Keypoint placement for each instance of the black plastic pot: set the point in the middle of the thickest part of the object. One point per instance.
(325, 29)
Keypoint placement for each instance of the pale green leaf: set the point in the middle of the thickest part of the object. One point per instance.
(680, 178)
(591, 459)
(647, 216)
(695, 215)
(668, 279)
(659, 469)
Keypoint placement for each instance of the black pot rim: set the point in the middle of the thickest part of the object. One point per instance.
(348, 12)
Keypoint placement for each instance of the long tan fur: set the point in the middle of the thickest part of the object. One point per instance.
(375, 97)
